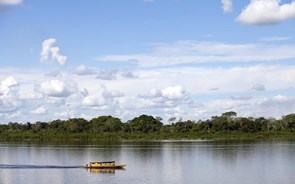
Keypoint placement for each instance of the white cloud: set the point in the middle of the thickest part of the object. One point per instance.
(274, 106)
(57, 88)
(227, 80)
(275, 38)
(169, 93)
(192, 52)
(12, 115)
(185, 92)
(115, 74)
(148, 1)
(102, 97)
(9, 95)
(39, 111)
(8, 86)
(83, 70)
(94, 100)
(169, 97)
(129, 75)
(51, 53)
(66, 114)
(107, 74)
(227, 5)
(175, 93)
(258, 87)
(263, 12)
(10, 2)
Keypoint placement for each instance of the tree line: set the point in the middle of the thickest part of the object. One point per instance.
(226, 122)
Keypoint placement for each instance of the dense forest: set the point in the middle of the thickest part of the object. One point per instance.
(228, 122)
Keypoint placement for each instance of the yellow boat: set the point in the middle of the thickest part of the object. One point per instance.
(108, 164)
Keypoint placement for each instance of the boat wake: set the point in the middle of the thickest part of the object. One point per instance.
(19, 166)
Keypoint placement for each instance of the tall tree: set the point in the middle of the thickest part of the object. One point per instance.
(145, 124)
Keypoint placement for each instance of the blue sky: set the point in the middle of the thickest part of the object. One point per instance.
(169, 58)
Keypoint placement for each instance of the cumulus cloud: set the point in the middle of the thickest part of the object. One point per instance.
(163, 92)
(51, 53)
(169, 93)
(9, 95)
(114, 74)
(57, 88)
(194, 52)
(8, 86)
(274, 106)
(94, 100)
(226, 79)
(10, 2)
(107, 74)
(263, 12)
(129, 75)
(258, 87)
(83, 70)
(65, 114)
(175, 93)
(40, 110)
(102, 97)
(168, 97)
(227, 5)
(166, 102)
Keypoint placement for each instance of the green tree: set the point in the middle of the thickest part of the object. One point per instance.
(14, 127)
(57, 125)
(113, 124)
(171, 120)
(3, 128)
(230, 114)
(76, 125)
(38, 126)
(105, 124)
(145, 124)
(247, 125)
(184, 126)
(289, 120)
(220, 123)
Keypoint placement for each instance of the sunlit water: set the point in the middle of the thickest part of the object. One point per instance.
(162, 162)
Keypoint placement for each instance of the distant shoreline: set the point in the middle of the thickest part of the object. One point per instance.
(85, 137)
(145, 127)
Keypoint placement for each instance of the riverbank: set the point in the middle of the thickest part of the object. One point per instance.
(29, 136)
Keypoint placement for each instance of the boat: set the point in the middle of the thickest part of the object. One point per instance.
(108, 164)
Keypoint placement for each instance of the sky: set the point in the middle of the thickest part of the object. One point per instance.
(187, 59)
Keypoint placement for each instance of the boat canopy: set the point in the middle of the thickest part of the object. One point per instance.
(105, 162)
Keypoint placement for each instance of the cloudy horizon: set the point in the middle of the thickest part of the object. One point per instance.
(166, 59)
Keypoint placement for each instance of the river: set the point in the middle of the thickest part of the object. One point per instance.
(199, 161)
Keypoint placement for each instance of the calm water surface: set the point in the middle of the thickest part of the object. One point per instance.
(254, 162)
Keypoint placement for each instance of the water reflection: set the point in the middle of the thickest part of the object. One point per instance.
(231, 161)
(104, 170)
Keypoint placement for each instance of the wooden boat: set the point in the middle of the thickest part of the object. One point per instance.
(108, 164)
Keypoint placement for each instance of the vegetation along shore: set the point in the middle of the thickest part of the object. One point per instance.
(226, 126)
